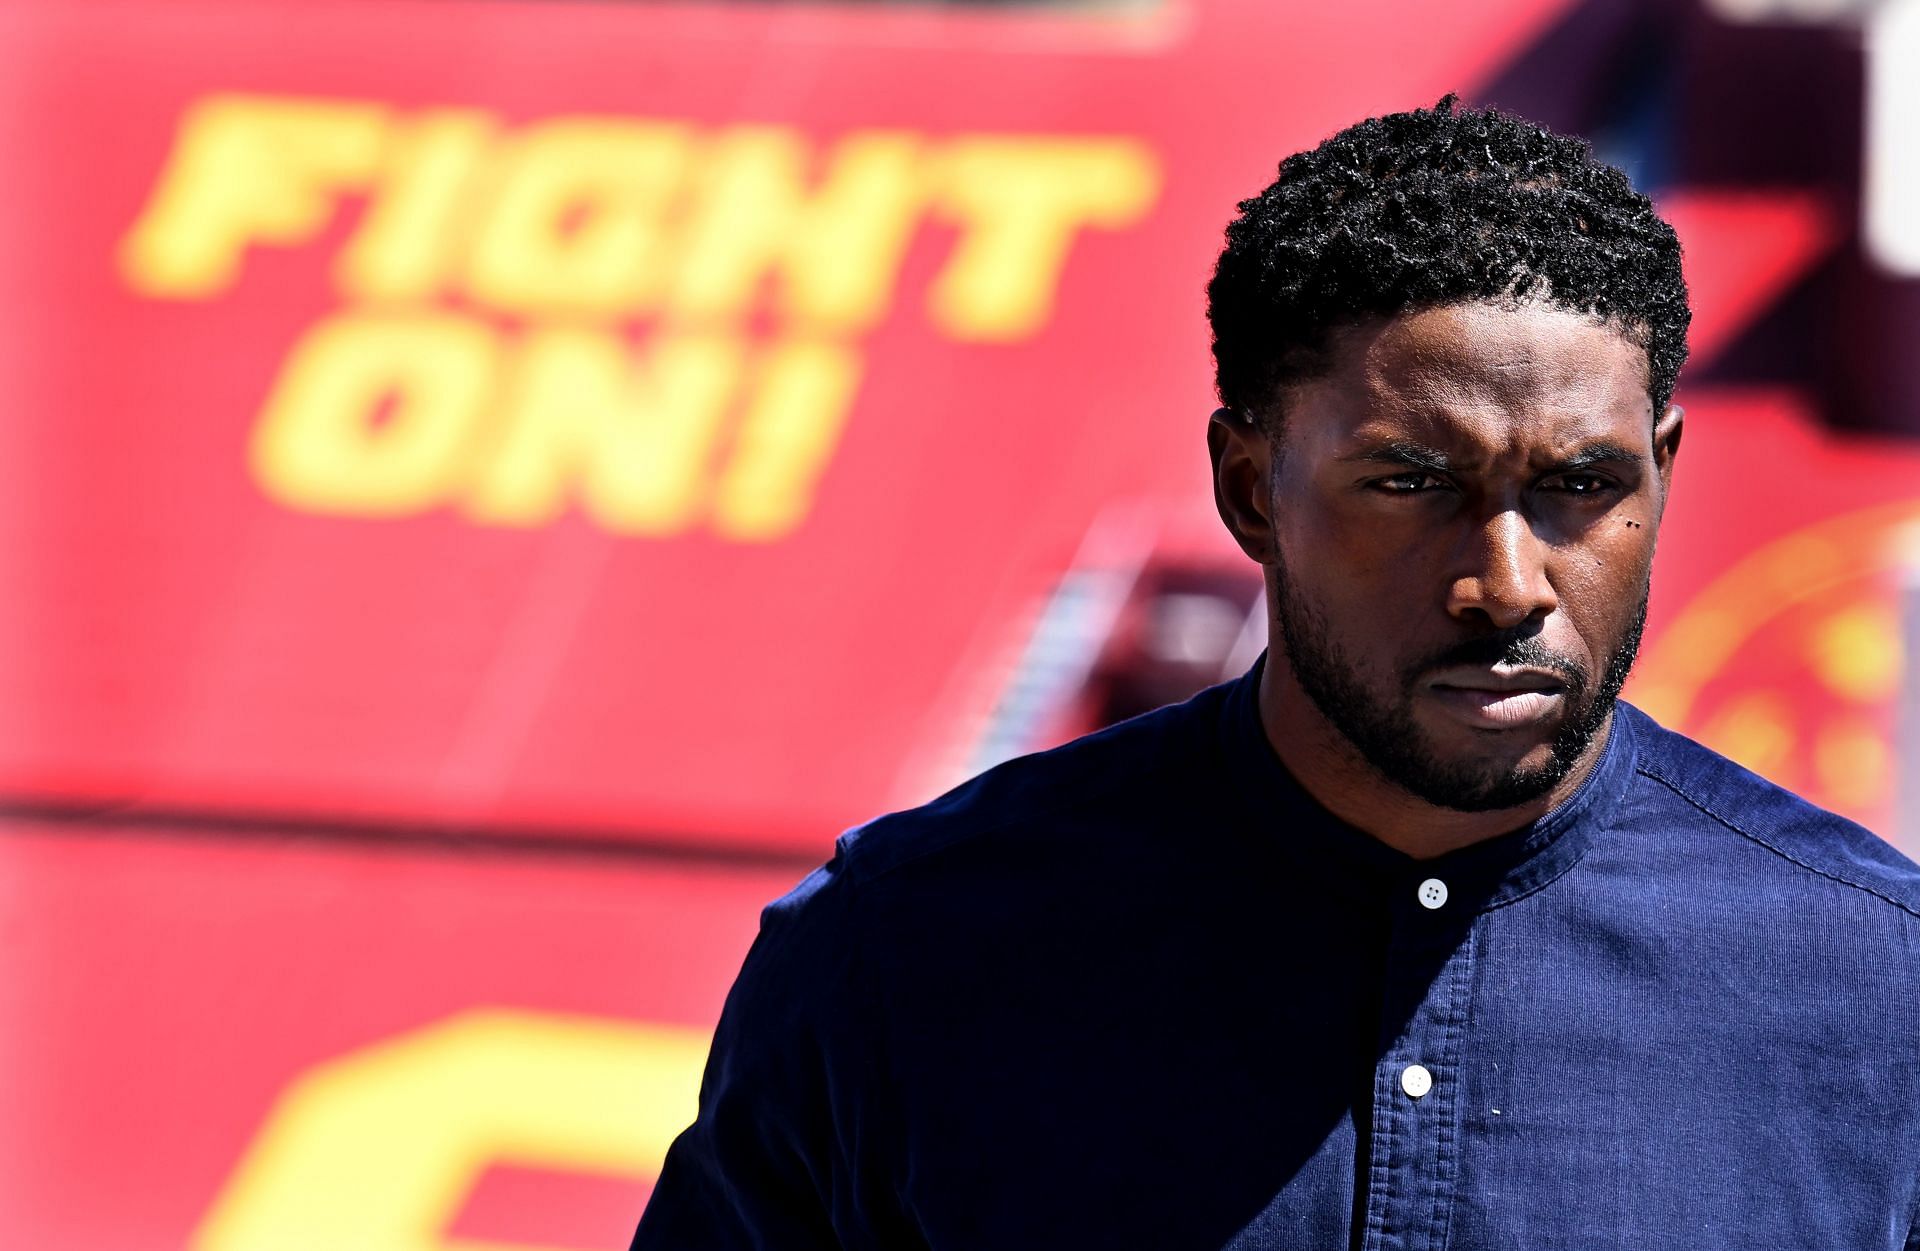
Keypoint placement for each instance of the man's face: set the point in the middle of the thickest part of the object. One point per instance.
(1461, 517)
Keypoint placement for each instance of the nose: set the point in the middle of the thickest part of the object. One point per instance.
(1505, 578)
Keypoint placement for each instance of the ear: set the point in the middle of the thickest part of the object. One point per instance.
(1242, 481)
(1666, 443)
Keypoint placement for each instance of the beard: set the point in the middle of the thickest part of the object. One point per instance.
(1383, 730)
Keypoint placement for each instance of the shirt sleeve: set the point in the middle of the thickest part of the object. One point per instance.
(762, 1165)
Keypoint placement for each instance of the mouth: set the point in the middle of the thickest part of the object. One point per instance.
(1498, 697)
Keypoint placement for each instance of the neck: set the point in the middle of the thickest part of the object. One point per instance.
(1332, 771)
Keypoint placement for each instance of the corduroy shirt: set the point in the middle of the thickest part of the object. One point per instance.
(1142, 991)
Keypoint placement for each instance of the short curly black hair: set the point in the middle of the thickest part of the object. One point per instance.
(1431, 207)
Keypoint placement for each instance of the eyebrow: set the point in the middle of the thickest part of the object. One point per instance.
(1405, 454)
(1410, 455)
(1598, 454)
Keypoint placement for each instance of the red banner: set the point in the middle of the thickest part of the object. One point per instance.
(592, 428)
(235, 1042)
(623, 418)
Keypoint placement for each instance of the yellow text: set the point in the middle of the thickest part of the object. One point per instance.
(619, 218)
(393, 414)
(377, 1150)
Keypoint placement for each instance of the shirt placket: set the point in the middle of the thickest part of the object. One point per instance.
(1413, 1148)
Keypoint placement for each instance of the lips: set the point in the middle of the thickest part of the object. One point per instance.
(1498, 698)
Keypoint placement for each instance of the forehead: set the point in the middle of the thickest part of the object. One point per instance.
(1496, 375)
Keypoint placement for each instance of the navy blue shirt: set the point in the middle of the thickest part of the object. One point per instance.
(1142, 991)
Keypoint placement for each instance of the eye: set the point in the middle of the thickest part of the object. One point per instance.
(1413, 482)
(1586, 484)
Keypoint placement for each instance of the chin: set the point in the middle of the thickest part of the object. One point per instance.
(1491, 790)
(1484, 770)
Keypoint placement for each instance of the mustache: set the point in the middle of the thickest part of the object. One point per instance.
(1511, 650)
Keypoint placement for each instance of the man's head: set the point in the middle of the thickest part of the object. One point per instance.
(1445, 344)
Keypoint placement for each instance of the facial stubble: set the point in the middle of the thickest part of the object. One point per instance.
(1386, 735)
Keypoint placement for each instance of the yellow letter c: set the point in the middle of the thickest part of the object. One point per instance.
(377, 1150)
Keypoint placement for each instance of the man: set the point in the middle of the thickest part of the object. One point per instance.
(1413, 937)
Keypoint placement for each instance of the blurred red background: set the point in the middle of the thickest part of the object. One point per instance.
(494, 488)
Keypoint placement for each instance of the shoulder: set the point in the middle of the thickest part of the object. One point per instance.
(1127, 776)
(1798, 837)
(997, 851)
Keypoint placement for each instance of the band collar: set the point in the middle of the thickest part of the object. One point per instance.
(1484, 875)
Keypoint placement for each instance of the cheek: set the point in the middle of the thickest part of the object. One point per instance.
(1612, 561)
(1376, 613)
(1351, 545)
(1379, 590)
(1392, 580)
(1601, 587)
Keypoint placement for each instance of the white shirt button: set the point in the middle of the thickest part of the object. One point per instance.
(1433, 893)
(1415, 1080)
